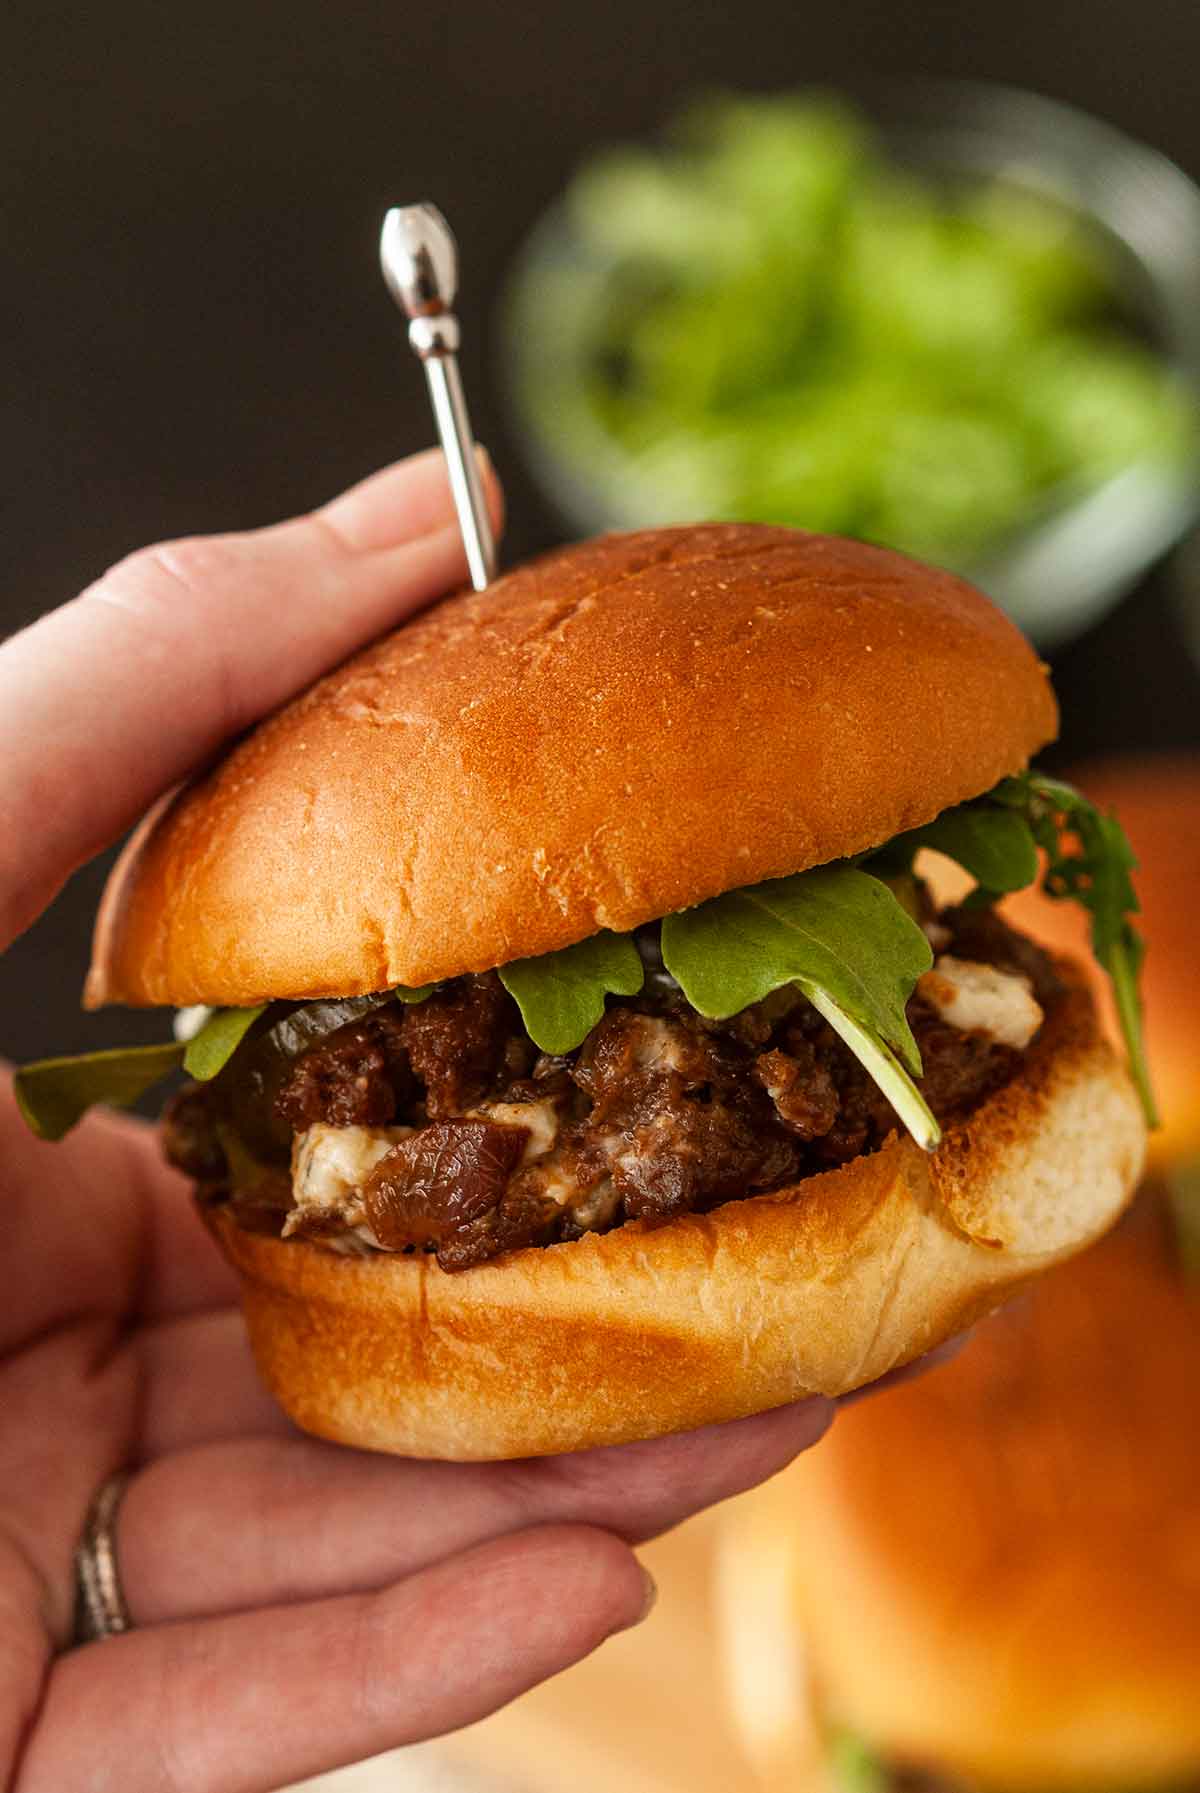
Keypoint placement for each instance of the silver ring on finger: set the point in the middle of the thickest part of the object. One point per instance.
(100, 1608)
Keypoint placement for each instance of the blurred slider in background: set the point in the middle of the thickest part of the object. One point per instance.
(961, 321)
(990, 1578)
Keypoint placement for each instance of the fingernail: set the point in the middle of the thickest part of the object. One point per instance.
(649, 1597)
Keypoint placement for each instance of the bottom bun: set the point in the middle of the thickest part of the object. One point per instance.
(815, 1289)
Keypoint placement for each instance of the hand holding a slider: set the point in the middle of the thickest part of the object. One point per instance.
(294, 1605)
(580, 1063)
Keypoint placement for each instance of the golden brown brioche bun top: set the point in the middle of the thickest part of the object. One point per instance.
(1157, 798)
(996, 1569)
(603, 736)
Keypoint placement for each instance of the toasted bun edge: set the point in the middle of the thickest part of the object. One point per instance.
(816, 1289)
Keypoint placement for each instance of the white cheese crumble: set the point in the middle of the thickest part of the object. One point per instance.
(979, 999)
(658, 1045)
(596, 1209)
(189, 1021)
(540, 1120)
(330, 1166)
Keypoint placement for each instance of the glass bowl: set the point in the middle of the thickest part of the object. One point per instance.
(1069, 559)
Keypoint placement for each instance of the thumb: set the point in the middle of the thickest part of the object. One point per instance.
(113, 698)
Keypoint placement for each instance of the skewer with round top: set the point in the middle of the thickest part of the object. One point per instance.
(420, 265)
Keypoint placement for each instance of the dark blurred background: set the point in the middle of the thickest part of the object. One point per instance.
(197, 337)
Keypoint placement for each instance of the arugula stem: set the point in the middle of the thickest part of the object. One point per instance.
(882, 1066)
(1125, 992)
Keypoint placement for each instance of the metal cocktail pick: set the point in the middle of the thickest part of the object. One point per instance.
(419, 259)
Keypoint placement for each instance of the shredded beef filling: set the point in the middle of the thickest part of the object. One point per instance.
(659, 1113)
(444, 1186)
(359, 1080)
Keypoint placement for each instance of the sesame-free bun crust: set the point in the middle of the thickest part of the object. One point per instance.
(993, 1573)
(1021, 1606)
(603, 736)
(641, 1331)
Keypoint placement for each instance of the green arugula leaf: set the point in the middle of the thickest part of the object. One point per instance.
(561, 995)
(835, 929)
(1089, 861)
(55, 1093)
(839, 935)
(994, 844)
(210, 1050)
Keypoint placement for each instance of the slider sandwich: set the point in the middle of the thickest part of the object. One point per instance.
(576, 1054)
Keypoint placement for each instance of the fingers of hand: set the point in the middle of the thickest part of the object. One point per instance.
(946, 1352)
(304, 1689)
(299, 1520)
(99, 1224)
(199, 1385)
(639, 1490)
(77, 1405)
(25, 1647)
(71, 1221)
(181, 645)
(365, 516)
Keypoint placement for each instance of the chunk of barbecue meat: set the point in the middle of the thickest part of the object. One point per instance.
(799, 1084)
(958, 1069)
(358, 1078)
(675, 1118)
(466, 1042)
(448, 1187)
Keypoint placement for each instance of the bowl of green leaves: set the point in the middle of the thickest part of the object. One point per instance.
(962, 321)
